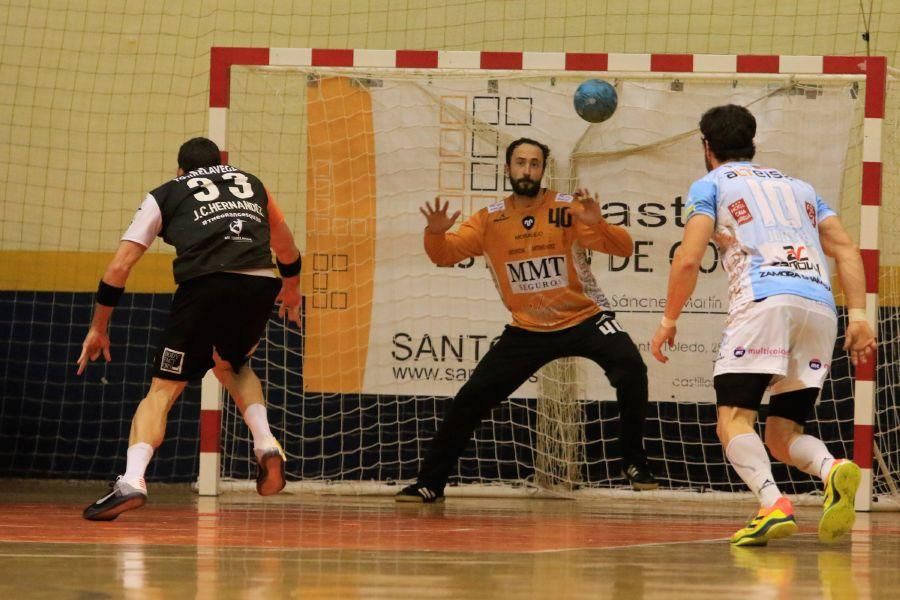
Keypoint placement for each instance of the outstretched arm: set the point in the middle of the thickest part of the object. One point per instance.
(97, 340)
(682, 279)
(596, 233)
(859, 337)
(287, 256)
(445, 249)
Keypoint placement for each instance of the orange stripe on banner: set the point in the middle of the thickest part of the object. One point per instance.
(339, 265)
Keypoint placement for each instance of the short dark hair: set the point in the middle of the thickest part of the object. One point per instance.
(198, 152)
(729, 131)
(511, 148)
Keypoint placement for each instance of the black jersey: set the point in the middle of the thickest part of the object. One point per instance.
(218, 220)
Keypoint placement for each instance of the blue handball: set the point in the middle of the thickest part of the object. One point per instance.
(595, 100)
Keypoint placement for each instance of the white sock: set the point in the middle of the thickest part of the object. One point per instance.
(749, 458)
(257, 420)
(811, 456)
(138, 457)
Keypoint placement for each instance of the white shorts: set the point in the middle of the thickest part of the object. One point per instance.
(788, 336)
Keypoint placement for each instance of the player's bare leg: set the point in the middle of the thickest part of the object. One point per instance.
(148, 428)
(246, 389)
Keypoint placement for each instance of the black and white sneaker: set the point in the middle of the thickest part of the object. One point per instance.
(419, 493)
(640, 477)
(120, 498)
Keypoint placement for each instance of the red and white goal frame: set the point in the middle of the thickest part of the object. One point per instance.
(870, 69)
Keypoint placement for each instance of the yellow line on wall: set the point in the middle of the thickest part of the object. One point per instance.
(42, 271)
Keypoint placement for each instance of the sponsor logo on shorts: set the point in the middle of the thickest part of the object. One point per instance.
(172, 361)
(815, 364)
(740, 212)
(740, 352)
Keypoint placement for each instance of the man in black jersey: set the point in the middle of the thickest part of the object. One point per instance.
(224, 226)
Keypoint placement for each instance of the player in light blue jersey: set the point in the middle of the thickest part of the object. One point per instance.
(774, 234)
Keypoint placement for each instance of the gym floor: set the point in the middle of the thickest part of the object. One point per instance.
(305, 546)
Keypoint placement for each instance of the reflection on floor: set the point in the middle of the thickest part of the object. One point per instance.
(240, 545)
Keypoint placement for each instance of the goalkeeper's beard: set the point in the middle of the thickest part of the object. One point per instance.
(525, 187)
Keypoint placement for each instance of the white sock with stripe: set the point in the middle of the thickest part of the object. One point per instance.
(810, 455)
(137, 459)
(750, 460)
(257, 419)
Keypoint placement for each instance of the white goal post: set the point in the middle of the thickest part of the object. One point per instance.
(477, 102)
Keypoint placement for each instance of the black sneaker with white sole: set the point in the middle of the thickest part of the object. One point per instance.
(640, 477)
(121, 497)
(419, 493)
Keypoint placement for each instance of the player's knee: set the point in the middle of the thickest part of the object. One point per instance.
(630, 371)
(223, 371)
(722, 432)
(158, 402)
(775, 444)
(162, 395)
(779, 434)
(471, 405)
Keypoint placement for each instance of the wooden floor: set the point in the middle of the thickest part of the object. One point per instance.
(305, 546)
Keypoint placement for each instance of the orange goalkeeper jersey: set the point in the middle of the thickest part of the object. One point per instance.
(537, 257)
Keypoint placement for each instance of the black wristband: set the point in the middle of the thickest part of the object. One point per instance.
(290, 269)
(108, 295)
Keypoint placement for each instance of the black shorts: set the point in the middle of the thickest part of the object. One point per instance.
(746, 390)
(227, 312)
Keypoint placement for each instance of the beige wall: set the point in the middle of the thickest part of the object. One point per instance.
(97, 95)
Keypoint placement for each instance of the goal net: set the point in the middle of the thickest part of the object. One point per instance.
(388, 337)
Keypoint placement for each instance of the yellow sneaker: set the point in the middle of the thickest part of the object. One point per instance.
(839, 512)
(771, 523)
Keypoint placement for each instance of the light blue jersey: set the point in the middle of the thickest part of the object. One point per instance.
(773, 220)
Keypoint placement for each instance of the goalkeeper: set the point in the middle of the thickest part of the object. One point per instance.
(536, 242)
(775, 233)
(222, 223)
